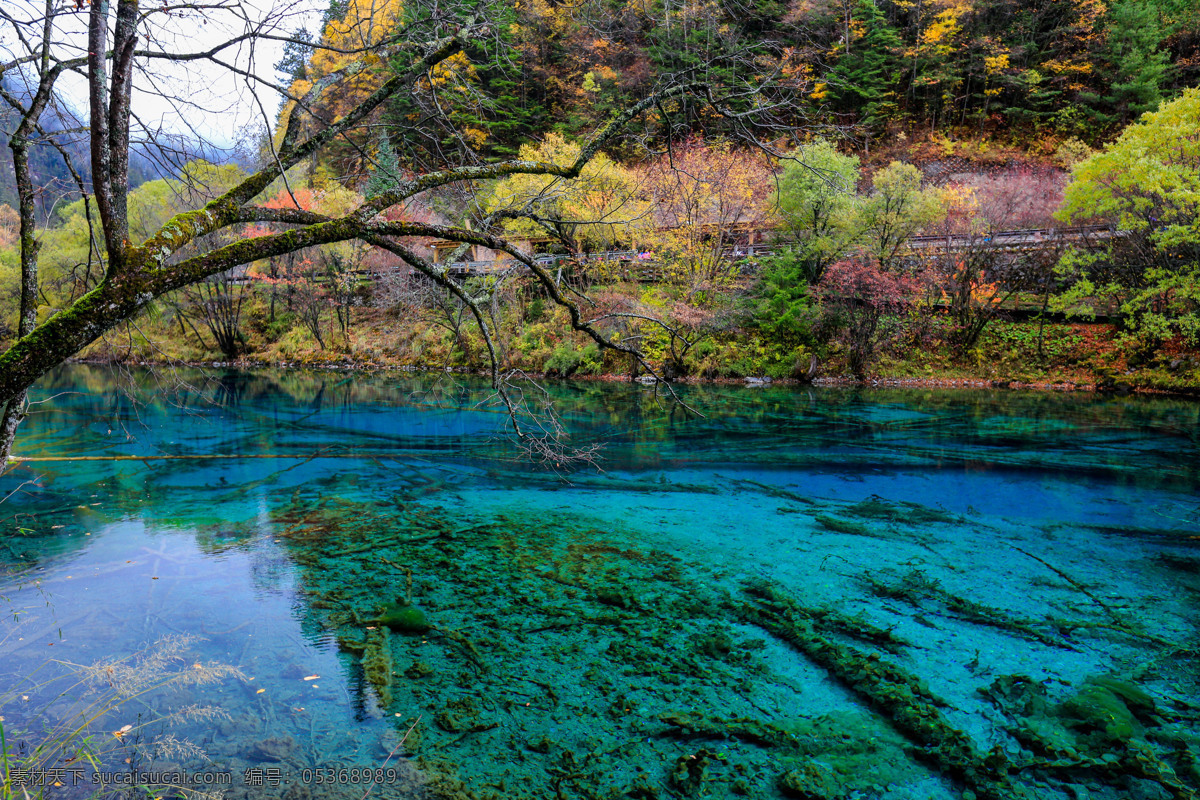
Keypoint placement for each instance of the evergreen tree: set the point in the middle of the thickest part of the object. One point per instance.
(296, 53)
(1138, 66)
(865, 77)
(386, 173)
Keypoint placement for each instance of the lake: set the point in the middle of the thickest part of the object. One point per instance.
(336, 585)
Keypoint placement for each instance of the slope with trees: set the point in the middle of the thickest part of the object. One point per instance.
(419, 53)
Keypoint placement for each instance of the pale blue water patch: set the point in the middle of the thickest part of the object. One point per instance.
(760, 601)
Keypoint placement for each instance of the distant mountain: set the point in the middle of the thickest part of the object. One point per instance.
(56, 185)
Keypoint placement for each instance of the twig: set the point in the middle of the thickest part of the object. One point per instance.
(371, 786)
(1074, 583)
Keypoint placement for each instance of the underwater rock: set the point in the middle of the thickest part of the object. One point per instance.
(418, 670)
(451, 721)
(1099, 716)
(542, 745)
(616, 596)
(239, 726)
(404, 618)
(459, 715)
(811, 781)
(1138, 701)
(714, 643)
(275, 748)
(297, 791)
(691, 771)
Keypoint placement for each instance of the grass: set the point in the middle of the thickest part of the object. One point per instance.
(94, 725)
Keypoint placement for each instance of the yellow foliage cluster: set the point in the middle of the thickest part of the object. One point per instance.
(946, 25)
(356, 38)
(600, 207)
(699, 196)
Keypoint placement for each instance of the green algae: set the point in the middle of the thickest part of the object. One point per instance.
(691, 725)
(403, 618)
(631, 633)
(902, 697)
(377, 665)
(838, 525)
(811, 781)
(1099, 716)
(904, 512)
(857, 750)
(826, 620)
(1094, 731)
(918, 589)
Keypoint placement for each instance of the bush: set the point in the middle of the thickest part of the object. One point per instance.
(566, 361)
(296, 343)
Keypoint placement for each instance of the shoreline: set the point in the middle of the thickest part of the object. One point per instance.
(1127, 385)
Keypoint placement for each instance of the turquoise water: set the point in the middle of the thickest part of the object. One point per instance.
(336, 585)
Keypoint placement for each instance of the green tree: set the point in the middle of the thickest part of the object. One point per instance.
(1138, 67)
(865, 76)
(296, 52)
(897, 209)
(386, 174)
(783, 306)
(815, 200)
(1147, 185)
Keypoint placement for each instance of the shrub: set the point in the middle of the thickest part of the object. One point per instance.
(784, 309)
(566, 360)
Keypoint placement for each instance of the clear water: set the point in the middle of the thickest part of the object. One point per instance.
(821, 593)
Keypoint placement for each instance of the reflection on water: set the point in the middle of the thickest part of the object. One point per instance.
(285, 584)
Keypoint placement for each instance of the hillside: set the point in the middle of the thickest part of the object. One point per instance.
(1022, 72)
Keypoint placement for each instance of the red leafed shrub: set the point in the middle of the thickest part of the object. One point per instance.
(864, 305)
(1019, 198)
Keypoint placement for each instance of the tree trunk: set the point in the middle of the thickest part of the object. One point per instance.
(14, 412)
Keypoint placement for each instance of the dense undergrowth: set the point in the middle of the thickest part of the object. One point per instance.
(729, 336)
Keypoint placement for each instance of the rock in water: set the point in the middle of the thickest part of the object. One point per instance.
(404, 618)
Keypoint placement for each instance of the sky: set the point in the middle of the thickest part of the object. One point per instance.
(198, 98)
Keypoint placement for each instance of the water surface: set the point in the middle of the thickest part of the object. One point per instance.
(801, 593)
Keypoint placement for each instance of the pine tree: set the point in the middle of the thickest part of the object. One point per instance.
(386, 173)
(1139, 67)
(294, 63)
(864, 78)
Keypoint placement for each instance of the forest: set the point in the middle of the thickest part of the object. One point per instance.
(850, 232)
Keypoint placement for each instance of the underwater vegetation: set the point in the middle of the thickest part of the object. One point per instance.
(690, 674)
(799, 595)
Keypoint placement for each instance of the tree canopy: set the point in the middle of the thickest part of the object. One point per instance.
(1146, 184)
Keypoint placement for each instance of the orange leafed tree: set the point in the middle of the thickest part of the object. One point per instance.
(701, 194)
